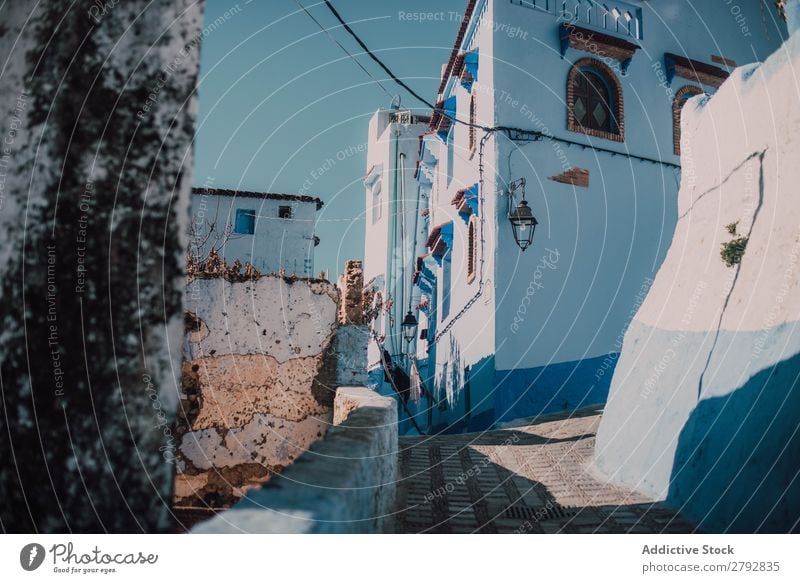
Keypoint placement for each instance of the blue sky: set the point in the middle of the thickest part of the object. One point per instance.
(278, 98)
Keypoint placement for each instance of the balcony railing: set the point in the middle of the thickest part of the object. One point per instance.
(620, 18)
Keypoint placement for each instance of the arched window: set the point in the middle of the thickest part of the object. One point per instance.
(594, 101)
(592, 105)
(683, 94)
(472, 248)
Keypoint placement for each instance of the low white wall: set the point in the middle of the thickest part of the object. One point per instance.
(344, 484)
(705, 399)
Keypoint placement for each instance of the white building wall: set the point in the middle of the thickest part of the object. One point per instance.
(465, 340)
(275, 244)
(387, 265)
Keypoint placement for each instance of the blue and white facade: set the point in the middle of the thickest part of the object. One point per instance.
(509, 334)
(395, 230)
(274, 232)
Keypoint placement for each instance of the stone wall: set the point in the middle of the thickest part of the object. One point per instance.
(352, 337)
(344, 484)
(258, 382)
(705, 400)
(351, 285)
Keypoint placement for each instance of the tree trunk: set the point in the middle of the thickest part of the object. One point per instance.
(97, 111)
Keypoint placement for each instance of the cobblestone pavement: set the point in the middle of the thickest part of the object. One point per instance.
(531, 479)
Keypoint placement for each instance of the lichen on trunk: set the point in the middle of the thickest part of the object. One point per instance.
(100, 112)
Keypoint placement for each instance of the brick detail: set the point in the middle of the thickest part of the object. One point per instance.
(677, 104)
(591, 41)
(616, 90)
(723, 61)
(573, 176)
(696, 71)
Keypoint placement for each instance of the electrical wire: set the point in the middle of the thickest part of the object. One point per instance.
(509, 131)
(341, 46)
(375, 58)
(400, 81)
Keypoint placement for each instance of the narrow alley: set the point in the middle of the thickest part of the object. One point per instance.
(531, 479)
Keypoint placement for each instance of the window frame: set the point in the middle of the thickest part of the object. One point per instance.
(472, 248)
(376, 192)
(616, 107)
(242, 212)
(473, 116)
(684, 93)
(447, 284)
(283, 209)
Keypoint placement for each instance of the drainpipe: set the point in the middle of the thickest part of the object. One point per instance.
(402, 277)
(391, 275)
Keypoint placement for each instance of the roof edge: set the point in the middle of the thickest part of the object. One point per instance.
(262, 195)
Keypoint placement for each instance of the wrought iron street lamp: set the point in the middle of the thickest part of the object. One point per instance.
(409, 326)
(523, 223)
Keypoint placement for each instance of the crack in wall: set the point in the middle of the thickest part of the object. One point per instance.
(757, 210)
(759, 154)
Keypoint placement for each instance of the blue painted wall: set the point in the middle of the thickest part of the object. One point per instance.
(737, 462)
(561, 308)
(563, 386)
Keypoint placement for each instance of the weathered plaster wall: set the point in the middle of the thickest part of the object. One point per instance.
(258, 385)
(97, 111)
(345, 484)
(705, 402)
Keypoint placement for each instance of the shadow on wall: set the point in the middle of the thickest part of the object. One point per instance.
(473, 403)
(737, 463)
(562, 386)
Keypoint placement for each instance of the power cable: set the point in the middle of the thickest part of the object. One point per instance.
(325, 30)
(400, 81)
(375, 58)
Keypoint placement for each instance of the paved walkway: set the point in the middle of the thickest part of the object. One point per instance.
(531, 479)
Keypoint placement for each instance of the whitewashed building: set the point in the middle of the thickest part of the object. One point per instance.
(573, 107)
(395, 231)
(271, 231)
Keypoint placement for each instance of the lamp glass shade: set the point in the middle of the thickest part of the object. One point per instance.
(523, 224)
(409, 326)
